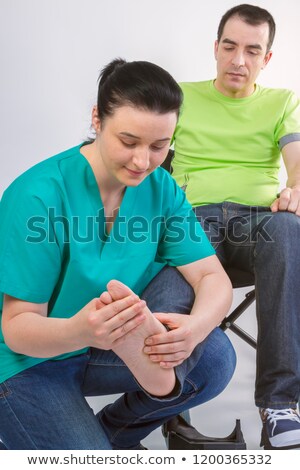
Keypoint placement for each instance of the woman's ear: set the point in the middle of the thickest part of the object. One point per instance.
(96, 120)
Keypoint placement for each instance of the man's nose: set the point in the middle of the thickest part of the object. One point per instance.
(238, 59)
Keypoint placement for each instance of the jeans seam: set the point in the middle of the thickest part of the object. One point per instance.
(5, 390)
(15, 416)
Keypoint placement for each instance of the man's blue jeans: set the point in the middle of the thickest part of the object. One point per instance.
(44, 407)
(267, 244)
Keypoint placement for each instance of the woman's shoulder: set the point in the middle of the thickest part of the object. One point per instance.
(164, 186)
(162, 178)
(44, 177)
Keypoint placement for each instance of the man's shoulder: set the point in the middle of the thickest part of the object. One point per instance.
(279, 93)
(197, 92)
(195, 86)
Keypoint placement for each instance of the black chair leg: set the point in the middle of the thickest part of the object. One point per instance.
(228, 322)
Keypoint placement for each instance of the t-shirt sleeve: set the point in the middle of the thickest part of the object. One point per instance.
(183, 240)
(288, 130)
(30, 263)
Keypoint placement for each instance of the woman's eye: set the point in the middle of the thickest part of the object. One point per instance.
(156, 148)
(128, 144)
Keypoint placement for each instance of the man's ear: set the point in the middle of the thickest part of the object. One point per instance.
(216, 47)
(96, 120)
(267, 58)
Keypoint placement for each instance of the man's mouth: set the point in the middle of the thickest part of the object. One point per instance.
(236, 74)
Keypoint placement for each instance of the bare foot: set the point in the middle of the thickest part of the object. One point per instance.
(150, 375)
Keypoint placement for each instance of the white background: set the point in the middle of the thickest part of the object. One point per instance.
(51, 52)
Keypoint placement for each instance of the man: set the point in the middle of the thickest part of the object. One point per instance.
(227, 150)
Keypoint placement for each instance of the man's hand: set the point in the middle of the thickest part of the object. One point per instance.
(288, 200)
(171, 348)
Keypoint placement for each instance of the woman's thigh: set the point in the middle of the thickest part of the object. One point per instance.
(44, 408)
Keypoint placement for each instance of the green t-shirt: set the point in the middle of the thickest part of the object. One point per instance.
(53, 246)
(229, 149)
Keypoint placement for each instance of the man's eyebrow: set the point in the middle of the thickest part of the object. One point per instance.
(128, 134)
(249, 46)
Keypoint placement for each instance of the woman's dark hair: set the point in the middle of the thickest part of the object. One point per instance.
(252, 15)
(140, 84)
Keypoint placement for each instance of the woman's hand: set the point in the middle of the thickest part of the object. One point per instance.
(28, 330)
(206, 276)
(100, 324)
(171, 348)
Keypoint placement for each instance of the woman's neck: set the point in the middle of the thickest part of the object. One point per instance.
(111, 190)
(108, 185)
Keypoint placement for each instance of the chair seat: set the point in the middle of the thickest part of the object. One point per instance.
(240, 278)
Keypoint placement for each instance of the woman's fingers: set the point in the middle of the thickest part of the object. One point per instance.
(126, 320)
(114, 308)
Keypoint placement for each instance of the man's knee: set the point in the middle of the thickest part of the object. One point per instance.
(283, 234)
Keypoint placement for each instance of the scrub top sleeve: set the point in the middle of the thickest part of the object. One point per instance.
(183, 241)
(30, 260)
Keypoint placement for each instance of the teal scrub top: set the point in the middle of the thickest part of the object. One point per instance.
(53, 245)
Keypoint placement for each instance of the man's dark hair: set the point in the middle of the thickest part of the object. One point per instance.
(252, 15)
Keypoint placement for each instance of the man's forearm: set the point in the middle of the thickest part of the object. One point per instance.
(293, 180)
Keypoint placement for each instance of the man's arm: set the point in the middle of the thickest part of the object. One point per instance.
(289, 198)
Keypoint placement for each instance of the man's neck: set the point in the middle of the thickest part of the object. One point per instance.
(235, 94)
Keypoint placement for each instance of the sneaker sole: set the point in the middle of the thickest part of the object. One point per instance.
(266, 444)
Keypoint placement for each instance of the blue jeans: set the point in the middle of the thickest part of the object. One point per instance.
(267, 244)
(44, 407)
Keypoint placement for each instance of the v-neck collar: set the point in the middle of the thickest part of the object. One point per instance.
(125, 210)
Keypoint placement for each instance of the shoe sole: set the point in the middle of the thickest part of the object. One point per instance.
(266, 444)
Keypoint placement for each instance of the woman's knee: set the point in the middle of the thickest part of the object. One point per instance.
(220, 357)
(214, 369)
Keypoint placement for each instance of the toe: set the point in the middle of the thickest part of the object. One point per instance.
(106, 298)
(118, 290)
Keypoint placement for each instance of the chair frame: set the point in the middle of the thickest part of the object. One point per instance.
(229, 321)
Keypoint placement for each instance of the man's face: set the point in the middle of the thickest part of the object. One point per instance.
(240, 55)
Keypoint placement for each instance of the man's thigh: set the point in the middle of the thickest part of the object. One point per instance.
(234, 230)
(253, 232)
(211, 218)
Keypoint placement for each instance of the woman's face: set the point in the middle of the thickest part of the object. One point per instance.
(133, 142)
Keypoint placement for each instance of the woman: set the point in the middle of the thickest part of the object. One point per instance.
(91, 228)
